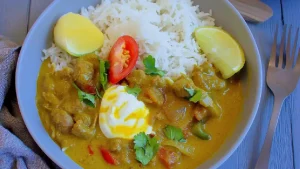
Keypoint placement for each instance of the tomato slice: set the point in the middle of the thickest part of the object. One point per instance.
(122, 58)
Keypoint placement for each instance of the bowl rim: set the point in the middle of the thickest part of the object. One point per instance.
(258, 94)
(220, 161)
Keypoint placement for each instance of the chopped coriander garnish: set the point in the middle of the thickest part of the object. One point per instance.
(140, 140)
(145, 147)
(104, 66)
(150, 68)
(196, 95)
(86, 98)
(134, 91)
(174, 133)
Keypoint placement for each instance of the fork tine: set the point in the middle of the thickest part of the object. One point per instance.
(272, 61)
(294, 54)
(280, 58)
(290, 59)
(288, 50)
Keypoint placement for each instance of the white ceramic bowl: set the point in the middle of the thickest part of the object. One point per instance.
(40, 37)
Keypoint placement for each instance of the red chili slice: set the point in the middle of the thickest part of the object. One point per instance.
(107, 156)
(91, 152)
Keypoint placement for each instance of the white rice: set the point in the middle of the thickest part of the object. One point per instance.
(162, 28)
(59, 58)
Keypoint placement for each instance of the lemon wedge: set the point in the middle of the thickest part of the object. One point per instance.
(77, 35)
(221, 49)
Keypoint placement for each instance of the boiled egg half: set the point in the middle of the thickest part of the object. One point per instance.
(122, 115)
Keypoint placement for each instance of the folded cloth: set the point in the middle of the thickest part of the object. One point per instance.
(14, 153)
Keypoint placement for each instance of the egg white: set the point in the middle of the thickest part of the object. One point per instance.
(122, 115)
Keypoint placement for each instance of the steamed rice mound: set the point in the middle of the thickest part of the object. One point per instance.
(162, 28)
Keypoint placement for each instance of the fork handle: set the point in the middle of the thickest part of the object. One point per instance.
(264, 157)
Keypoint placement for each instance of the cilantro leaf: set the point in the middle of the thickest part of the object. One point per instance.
(153, 143)
(197, 97)
(149, 62)
(103, 68)
(150, 68)
(149, 152)
(145, 148)
(86, 98)
(89, 100)
(174, 133)
(140, 140)
(134, 91)
(140, 154)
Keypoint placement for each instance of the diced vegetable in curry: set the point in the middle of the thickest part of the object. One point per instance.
(184, 121)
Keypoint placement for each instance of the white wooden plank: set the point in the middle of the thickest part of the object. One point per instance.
(291, 14)
(14, 19)
(36, 8)
(248, 152)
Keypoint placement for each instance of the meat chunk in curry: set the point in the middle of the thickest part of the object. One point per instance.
(152, 87)
(83, 73)
(62, 120)
(82, 130)
(183, 84)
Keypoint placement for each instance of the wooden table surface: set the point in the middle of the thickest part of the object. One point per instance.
(17, 17)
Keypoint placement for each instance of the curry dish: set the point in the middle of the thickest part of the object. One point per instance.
(73, 125)
(117, 90)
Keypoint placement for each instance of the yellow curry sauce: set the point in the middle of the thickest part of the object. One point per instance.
(55, 91)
